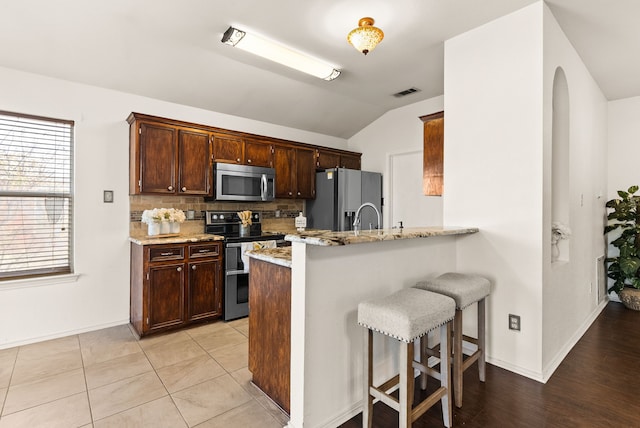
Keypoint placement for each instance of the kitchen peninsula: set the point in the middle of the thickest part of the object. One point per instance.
(331, 272)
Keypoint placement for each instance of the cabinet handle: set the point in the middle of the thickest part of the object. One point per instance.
(204, 250)
(184, 189)
(298, 193)
(170, 188)
(193, 267)
(290, 193)
(248, 160)
(167, 254)
(179, 269)
(238, 160)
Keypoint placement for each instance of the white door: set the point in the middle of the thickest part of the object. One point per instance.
(407, 202)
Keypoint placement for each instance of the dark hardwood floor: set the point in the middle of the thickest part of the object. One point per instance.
(597, 385)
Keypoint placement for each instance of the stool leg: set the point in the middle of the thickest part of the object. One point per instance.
(457, 357)
(424, 360)
(406, 376)
(445, 361)
(481, 339)
(367, 402)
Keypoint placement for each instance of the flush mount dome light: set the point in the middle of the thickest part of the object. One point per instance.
(366, 37)
(279, 53)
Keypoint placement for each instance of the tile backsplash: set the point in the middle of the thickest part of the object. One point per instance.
(277, 215)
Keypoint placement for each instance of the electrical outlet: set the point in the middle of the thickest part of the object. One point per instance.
(514, 322)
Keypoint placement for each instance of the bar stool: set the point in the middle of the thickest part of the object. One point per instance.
(465, 290)
(406, 315)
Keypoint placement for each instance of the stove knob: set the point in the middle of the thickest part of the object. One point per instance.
(215, 216)
(221, 216)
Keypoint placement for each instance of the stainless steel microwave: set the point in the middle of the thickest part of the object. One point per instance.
(243, 183)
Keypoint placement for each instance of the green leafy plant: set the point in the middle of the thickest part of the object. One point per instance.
(625, 219)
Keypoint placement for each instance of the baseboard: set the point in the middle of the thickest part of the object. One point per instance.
(515, 369)
(62, 334)
(564, 351)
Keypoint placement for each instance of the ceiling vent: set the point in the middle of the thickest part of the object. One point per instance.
(406, 92)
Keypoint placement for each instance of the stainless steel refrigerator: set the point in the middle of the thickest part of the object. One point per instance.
(339, 193)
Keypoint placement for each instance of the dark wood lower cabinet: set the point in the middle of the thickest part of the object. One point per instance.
(173, 285)
(270, 329)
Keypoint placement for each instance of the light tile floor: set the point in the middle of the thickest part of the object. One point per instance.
(196, 377)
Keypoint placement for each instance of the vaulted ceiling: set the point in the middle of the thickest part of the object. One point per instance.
(171, 50)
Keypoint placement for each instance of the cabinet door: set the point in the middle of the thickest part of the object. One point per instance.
(227, 149)
(258, 153)
(165, 305)
(350, 161)
(194, 165)
(283, 162)
(204, 290)
(158, 158)
(305, 174)
(326, 160)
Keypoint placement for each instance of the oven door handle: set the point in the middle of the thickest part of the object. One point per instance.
(235, 272)
(233, 245)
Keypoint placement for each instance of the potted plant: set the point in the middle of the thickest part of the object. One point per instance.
(624, 269)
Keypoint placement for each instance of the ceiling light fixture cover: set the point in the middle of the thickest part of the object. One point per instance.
(279, 53)
(366, 37)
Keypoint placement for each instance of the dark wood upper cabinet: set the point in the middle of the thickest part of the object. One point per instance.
(228, 149)
(326, 159)
(305, 182)
(156, 159)
(350, 161)
(172, 157)
(194, 165)
(433, 162)
(167, 159)
(283, 158)
(258, 153)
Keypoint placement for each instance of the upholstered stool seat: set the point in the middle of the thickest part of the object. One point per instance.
(465, 290)
(406, 315)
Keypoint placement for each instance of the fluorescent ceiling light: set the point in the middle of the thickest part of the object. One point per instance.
(279, 53)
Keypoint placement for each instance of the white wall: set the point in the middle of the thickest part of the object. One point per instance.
(399, 132)
(493, 174)
(31, 311)
(566, 318)
(623, 148)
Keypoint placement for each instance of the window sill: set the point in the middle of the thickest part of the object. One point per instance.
(38, 282)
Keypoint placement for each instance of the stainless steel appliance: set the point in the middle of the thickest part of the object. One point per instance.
(243, 183)
(236, 272)
(339, 194)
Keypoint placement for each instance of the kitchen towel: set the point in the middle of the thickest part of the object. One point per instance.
(250, 246)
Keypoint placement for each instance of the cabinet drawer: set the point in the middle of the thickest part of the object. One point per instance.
(204, 250)
(166, 253)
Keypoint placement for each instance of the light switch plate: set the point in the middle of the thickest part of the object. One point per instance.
(108, 196)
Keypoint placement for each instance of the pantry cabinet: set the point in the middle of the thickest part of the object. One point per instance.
(173, 285)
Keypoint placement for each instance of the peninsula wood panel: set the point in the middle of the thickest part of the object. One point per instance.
(270, 329)
(433, 163)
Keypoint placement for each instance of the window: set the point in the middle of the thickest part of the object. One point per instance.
(36, 201)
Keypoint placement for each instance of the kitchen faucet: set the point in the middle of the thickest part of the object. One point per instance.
(356, 222)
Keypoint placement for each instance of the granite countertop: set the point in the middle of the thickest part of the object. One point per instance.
(174, 239)
(329, 238)
(279, 256)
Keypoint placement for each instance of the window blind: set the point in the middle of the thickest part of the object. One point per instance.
(36, 198)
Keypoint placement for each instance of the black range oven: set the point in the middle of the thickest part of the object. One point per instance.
(236, 263)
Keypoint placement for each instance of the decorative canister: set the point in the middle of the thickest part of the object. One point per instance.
(153, 229)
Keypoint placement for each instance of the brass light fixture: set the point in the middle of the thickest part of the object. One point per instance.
(366, 37)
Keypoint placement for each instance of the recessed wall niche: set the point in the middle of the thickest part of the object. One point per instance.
(560, 165)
